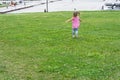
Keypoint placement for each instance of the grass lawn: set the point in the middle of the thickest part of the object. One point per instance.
(39, 46)
(2, 5)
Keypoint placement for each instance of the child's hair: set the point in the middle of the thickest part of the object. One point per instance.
(75, 13)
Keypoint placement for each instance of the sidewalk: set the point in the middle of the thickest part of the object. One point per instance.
(24, 5)
(17, 7)
(58, 5)
(66, 5)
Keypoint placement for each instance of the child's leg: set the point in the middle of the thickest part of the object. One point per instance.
(73, 32)
(76, 32)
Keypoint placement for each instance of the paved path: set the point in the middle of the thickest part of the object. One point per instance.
(17, 7)
(62, 5)
(66, 5)
(24, 5)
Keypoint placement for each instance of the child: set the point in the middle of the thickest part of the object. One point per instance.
(75, 23)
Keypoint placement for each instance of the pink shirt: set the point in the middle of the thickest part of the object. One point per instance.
(75, 22)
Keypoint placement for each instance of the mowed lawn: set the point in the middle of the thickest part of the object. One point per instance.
(2, 5)
(39, 46)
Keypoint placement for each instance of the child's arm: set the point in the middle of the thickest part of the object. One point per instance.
(80, 20)
(69, 20)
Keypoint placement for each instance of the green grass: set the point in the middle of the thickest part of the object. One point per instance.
(39, 46)
(2, 5)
